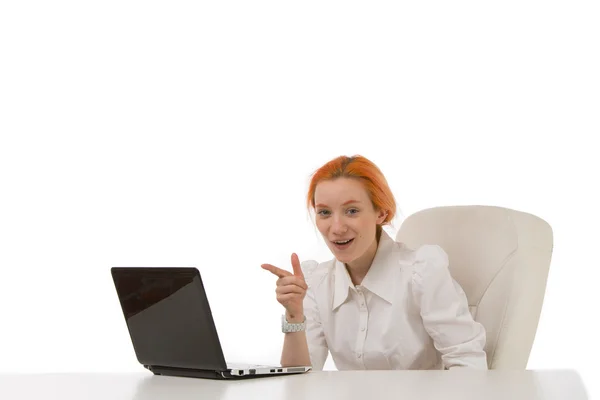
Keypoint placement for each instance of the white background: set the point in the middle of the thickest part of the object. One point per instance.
(176, 134)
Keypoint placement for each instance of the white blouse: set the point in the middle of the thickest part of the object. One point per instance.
(408, 313)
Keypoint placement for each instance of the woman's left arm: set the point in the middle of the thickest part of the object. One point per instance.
(445, 311)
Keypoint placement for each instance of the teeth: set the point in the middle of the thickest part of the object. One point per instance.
(344, 242)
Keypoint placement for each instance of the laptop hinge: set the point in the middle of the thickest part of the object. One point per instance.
(184, 372)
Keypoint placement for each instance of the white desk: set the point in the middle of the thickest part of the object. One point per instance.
(363, 385)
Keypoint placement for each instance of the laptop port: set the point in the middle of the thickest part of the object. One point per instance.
(272, 370)
(240, 372)
(252, 372)
(279, 370)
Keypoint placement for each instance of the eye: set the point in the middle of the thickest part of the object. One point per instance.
(352, 211)
(323, 213)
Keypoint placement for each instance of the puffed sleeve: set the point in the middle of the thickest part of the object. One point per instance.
(315, 336)
(445, 311)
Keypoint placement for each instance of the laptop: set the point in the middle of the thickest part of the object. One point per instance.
(171, 325)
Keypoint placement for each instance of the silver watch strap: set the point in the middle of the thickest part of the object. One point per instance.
(287, 327)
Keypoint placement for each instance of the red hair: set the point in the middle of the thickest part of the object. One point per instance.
(357, 167)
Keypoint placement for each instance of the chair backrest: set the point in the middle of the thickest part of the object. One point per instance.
(501, 258)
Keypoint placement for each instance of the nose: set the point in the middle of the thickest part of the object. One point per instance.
(338, 225)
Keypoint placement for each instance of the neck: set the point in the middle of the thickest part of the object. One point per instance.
(358, 268)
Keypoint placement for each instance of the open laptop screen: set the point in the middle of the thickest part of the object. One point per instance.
(168, 317)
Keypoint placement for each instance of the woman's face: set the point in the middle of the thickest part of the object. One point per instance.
(346, 218)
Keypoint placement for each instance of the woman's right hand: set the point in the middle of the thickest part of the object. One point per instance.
(291, 289)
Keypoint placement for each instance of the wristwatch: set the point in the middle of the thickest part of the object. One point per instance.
(286, 327)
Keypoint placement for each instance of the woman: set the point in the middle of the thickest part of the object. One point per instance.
(377, 304)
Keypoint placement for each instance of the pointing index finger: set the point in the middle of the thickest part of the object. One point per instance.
(281, 273)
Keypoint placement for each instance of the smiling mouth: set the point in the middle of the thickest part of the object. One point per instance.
(343, 242)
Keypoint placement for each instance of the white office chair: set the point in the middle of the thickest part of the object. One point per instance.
(501, 258)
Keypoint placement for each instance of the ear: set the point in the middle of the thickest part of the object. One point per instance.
(382, 215)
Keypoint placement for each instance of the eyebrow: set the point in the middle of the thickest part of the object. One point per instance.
(346, 203)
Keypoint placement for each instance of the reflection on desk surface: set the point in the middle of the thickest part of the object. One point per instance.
(447, 385)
